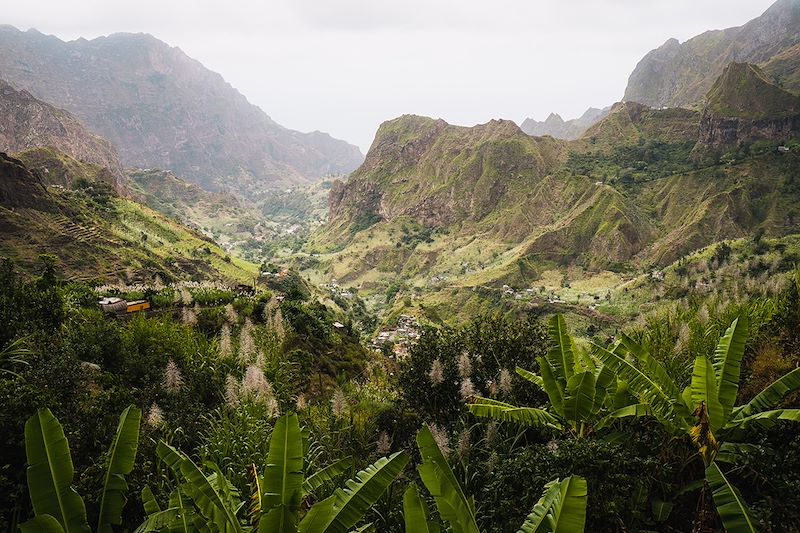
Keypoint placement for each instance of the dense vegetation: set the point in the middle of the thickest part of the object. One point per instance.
(225, 396)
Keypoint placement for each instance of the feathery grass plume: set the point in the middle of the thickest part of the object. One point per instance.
(506, 383)
(383, 446)
(491, 462)
(278, 326)
(464, 365)
(255, 385)
(339, 403)
(272, 407)
(186, 296)
(436, 373)
(173, 378)
(158, 285)
(703, 315)
(441, 438)
(225, 346)
(247, 346)
(683, 338)
(231, 391)
(259, 359)
(552, 446)
(176, 296)
(467, 389)
(155, 417)
(188, 316)
(463, 445)
(491, 433)
(231, 316)
(491, 386)
(301, 402)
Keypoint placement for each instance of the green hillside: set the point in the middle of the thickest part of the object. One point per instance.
(95, 234)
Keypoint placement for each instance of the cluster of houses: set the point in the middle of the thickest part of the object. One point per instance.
(336, 290)
(400, 338)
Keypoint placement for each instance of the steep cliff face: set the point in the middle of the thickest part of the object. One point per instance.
(559, 128)
(27, 123)
(680, 74)
(162, 109)
(743, 106)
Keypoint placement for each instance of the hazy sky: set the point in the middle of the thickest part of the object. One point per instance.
(345, 66)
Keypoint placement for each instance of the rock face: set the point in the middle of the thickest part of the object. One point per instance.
(160, 108)
(680, 74)
(744, 107)
(27, 123)
(568, 130)
(19, 187)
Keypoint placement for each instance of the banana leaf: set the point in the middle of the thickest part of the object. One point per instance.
(120, 464)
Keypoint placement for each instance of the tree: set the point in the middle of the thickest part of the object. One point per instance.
(705, 409)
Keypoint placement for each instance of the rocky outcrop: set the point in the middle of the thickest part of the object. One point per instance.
(27, 123)
(559, 128)
(680, 74)
(162, 109)
(742, 107)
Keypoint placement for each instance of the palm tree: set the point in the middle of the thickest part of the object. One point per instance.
(56, 505)
(561, 509)
(578, 388)
(705, 409)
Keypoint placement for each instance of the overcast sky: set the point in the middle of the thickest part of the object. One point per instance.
(345, 66)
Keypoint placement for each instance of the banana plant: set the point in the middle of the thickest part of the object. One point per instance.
(705, 410)
(561, 509)
(579, 390)
(57, 506)
(279, 494)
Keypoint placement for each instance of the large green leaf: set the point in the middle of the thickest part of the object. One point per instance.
(765, 419)
(728, 363)
(730, 505)
(552, 386)
(326, 475)
(283, 478)
(530, 376)
(206, 495)
(41, 524)
(504, 412)
(605, 387)
(771, 396)
(653, 368)
(579, 402)
(452, 503)
(641, 386)
(561, 509)
(561, 354)
(120, 464)
(50, 473)
(704, 390)
(415, 512)
(348, 506)
(637, 410)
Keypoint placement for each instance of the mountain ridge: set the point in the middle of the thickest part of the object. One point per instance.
(160, 108)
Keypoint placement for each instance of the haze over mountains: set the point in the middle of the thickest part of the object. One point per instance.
(162, 109)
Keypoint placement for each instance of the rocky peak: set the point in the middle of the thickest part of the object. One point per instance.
(19, 188)
(27, 123)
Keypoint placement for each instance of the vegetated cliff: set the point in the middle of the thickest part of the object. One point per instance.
(680, 74)
(557, 127)
(744, 107)
(27, 123)
(162, 109)
(95, 234)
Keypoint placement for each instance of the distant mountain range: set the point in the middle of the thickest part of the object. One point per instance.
(681, 74)
(162, 109)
